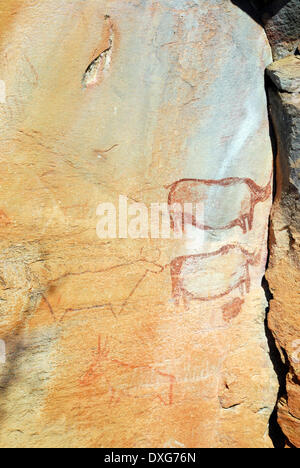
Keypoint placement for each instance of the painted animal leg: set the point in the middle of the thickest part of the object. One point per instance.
(111, 308)
(247, 223)
(244, 224)
(168, 399)
(114, 397)
(186, 301)
(176, 290)
(250, 221)
(248, 280)
(243, 289)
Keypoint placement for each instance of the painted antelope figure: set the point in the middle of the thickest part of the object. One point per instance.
(100, 289)
(206, 277)
(230, 202)
(125, 380)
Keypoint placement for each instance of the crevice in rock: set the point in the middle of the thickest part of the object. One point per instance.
(281, 369)
(289, 445)
(101, 64)
(232, 407)
(250, 7)
(276, 434)
(260, 9)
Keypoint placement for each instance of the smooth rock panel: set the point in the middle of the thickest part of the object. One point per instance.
(134, 342)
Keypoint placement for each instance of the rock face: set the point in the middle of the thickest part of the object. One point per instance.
(284, 273)
(285, 74)
(281, 21)
(136, 341)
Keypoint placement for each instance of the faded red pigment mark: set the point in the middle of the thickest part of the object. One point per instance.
(108, 306)
(4, 219)
(233, 309)
(78, 309)
(49, 307)
(109, 370)
(194, 191)
(192, 264)
(33, 76)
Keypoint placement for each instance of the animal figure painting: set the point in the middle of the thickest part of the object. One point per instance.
(222, 191)
(206, 277)
(124, 380)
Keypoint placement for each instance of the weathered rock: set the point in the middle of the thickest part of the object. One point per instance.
(282, 23)
(284, 272)
(285, 74)
(281, 19)
(133, 342)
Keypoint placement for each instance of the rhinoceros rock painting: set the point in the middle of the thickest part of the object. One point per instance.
(234, 188)
(136, 341)
(206, 277)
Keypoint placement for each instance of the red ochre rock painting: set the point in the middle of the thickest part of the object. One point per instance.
(104, 287)
(196, 191)
(210, 276)
(124, 380)
(4, 219)
(232, 309)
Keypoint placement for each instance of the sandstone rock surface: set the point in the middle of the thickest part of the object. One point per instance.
(285, 74)
(284, 273)
(133, 342)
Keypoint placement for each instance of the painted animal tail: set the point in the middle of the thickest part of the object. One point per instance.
(261, 194)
